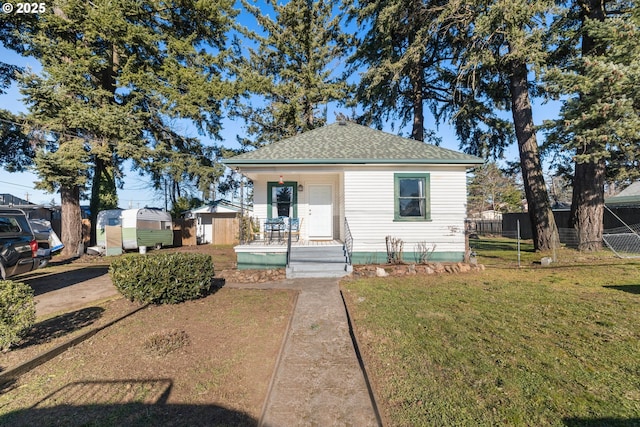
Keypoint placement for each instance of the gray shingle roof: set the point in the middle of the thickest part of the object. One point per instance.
(630, 196)
(350, 143)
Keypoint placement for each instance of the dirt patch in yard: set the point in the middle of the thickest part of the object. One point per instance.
(203, 362)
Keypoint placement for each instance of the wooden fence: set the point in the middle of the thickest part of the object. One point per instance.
(226, 228)
(484, 226)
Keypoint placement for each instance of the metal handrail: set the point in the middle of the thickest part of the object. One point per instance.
(289, 243)
(348, 240)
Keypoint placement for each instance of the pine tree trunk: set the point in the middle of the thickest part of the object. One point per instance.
(416, 75)
(417, 131)
(71, 227)
(543, 224)
(587, 205)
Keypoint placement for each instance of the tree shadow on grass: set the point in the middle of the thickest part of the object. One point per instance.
(120, 403)
(61, 325)
(632, 289)
(601, 422)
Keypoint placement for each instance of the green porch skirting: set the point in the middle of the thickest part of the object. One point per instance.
(261, 260)
(266, 260)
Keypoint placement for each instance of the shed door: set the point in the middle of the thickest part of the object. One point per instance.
(320, 212)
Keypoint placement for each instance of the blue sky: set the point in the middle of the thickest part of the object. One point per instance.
(137, 191)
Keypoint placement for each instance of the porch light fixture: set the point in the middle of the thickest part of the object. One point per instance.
(281, 180)
(300, 188)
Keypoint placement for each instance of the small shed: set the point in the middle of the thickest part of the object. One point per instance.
(217, 223)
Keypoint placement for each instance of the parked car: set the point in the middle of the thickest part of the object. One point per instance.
(48, 241)
(19, 252)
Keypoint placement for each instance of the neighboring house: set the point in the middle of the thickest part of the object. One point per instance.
(217, 223)
(32, 210)
(346, 180)
(491, 215)
(629, 197)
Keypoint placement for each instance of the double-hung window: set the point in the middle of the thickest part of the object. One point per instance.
(411, 197)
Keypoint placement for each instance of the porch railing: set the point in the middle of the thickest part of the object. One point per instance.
(289, 242)
(348, 240)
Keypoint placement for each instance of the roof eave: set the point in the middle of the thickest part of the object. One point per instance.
(261, 162)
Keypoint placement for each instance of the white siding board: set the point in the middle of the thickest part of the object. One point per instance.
(369, 204)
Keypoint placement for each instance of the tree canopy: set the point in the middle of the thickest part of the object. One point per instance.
(288, 66)
(490, 188)
(121, 78)
(116, 78)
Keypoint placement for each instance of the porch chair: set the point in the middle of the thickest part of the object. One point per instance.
(274, 225)
(295, 227)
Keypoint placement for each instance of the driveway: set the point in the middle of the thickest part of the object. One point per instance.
(65, 287)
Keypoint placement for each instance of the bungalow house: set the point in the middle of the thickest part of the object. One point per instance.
(349, 187)
(629, 197)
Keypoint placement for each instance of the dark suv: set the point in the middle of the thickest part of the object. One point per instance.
(18, 245)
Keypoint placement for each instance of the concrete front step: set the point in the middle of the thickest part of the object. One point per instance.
(321, 261)
(296, 271)
(320, 252)
(340, 259)
(317, 266)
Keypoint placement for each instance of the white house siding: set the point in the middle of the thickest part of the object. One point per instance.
(369, 209)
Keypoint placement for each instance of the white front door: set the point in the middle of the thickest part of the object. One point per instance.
(320, 211)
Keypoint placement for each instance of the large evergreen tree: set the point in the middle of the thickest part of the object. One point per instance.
(16, 151)
(290, 69)
(497, 43)
(599, 123)
(116, 75)
(399, 54)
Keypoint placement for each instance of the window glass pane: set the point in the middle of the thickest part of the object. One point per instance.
(9, 225)
(411, 187)
(281, 199)
(412, 207)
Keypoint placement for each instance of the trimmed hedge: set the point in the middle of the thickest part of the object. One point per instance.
(167, 278)
(17, 312)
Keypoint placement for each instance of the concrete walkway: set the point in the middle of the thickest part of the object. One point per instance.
(318, 381)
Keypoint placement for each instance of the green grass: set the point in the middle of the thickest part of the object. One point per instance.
(556, 345)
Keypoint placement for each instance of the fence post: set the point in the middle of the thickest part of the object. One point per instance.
(518, 231)
(467, 230)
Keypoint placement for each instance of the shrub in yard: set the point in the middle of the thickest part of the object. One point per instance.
(167, 278)
(17, 312)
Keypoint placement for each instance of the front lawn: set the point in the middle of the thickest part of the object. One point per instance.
(201, 362)
(557, 345)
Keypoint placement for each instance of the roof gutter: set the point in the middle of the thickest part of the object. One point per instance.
(329, 162)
